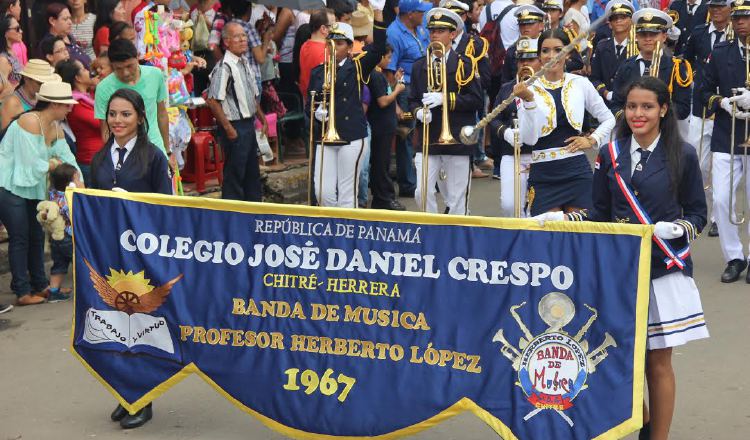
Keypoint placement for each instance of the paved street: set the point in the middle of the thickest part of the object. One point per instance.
(47, 394)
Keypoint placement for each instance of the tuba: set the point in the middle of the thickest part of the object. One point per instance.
(330, 134)
(656, 60)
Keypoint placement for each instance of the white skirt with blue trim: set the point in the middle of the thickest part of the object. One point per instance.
(675, 313)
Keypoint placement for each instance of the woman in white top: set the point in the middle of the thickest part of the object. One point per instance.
(560, 175)
(83, 26)
(287, 22)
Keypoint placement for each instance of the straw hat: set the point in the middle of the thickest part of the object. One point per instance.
(361, 24)
(57, 92)
(38, 70)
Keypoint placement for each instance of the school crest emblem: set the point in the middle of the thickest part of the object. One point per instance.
(553, 366)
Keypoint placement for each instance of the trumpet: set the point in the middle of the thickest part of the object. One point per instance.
(656, 60)
(436, 82)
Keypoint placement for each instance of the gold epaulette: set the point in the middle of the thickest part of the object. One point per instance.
(676, 75)
(358, 66)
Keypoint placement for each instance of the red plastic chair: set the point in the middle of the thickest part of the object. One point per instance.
(203, 161)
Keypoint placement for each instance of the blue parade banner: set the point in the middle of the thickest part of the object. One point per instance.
(331, 323)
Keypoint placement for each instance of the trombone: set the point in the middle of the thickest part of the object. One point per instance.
(739, 218)
(436, 82)
(523, 74)
(656, 60)
(632, 48)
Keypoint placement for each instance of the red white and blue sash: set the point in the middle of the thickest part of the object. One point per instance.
(673, 258)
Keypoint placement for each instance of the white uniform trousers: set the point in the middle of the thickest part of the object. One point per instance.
(455, 189)
(341, 166)
(507, 188)
(729, 236)
(694, 138)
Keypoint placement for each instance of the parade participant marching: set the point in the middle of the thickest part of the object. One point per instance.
(338, 162)
(727, 69)
(531, 24)
(687, 15)
(560, 175)
(651, 26)
(697, 50)
(611, 52)
(475, 48)
(457, 105)
(554, 11)
(649, 175)
(527, 57)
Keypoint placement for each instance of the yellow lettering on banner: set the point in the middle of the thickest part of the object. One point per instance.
(385, 318)
(275, 309)
(185, 331)
(199, 335)
(232, 337)
(362, 287)
(298, 343)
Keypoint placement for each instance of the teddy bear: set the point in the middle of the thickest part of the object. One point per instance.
(48, 215)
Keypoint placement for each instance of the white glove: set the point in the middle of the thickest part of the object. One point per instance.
(423, 117)
(668, 230)
(553, 216)
(742, 99)
(509, 133)
(432, 99)
(726, 105)
(321, 114)
(377, 5)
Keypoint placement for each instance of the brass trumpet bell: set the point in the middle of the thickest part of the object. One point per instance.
(330, 134)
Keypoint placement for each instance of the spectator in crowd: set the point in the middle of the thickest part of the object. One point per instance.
(100, 67)
(382, 119)
(256, 48)
(13, 9)
(312, 51)
(178, 7)
(129, 159)
(287, 22)
(233, 100)
(222, 16)
(147, 81)
(32, 147)
(54, 50)
(121, 30)
(81, 118)
(409, 40)
(205, 10)
(61, 25)
(23, 98)
(83, 26)
(269, 71)
(107, 13)
(362, 28)
(10, 65)
(61, 250)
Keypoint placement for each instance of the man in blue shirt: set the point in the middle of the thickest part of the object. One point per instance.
(409, 40)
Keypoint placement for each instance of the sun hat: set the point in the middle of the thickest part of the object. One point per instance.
(57, 92)
(38, 70)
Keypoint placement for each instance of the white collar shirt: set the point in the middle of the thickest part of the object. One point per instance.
(128, 148)
(635, 153)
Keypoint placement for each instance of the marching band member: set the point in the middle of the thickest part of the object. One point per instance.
(697, 50)
(527, 55)
(554, 11)
(651, 26)
(531, 24)
(341, 163)
(611, 52)
(649, 175)
(688, 14)
(470, 45)
(726, 69)
(560, 175)
(451, 162)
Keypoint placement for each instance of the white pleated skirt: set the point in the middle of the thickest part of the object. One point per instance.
(675, 313)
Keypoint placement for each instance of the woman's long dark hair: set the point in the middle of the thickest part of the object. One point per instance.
(5, 22)
(104, 9)
(670, 139)
(142, 151)
(117, 28)
(68, 71)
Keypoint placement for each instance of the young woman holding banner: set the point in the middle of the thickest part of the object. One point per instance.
(649, 175)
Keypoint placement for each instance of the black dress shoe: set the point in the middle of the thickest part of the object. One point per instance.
(714, 230)
(393, 205)
(138, 419)
(733, 271)
(118, 413)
